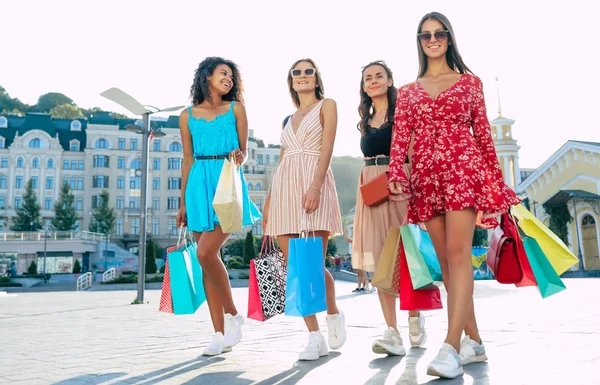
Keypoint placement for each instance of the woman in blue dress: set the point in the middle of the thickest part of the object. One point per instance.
(214, 128)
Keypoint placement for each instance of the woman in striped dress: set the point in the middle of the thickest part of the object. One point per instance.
(303, 194)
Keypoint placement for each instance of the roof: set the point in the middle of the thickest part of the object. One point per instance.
(583, 142)
(48, 124)
(563, 196)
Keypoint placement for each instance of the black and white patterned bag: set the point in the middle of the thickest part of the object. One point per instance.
(271, 277)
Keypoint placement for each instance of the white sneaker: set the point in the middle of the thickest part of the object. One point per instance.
(233, 329)
(447, 364)
(314, 348)
(416, 331)
(216, 346)
(390, 344)
(336, 329)
(471, 351)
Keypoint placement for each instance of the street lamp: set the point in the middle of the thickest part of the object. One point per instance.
(128, 102)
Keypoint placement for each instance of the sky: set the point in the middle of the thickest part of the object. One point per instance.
(151, 48)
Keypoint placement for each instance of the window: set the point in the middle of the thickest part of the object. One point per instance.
(102, 143)
(258, 186)
(134, 202)
(65, 164)
(3, 181)
(121, 143)
(172, 226)
(259, 204)
(19, 182)
(156, 204)
(101, 161)
(73, 165)
(34, 182)
(35, 143)
(135, 183)
(120, 183)
(175, 147)
(48, 204)
(155, 226)
(75, 145)
(260, 159)
(133, 144)
(18, 202)
(173, 203)
(50, 163)
(80, 183)
(119, 227)
(4, 163)
(49, 183)
(65, 181)
(156, 184)
(80, 165)
(276, 158)
(79, 204)
(1, 143)
(2, 203)
(156, 164)
(19, 162)
(120, 203)
(137, 163)
(77, 226)
(174, 184)
(135, 226)
(175, 163)
(156, 144)
(99, 181)
(96, 201)
(121, 163)
(268, 159)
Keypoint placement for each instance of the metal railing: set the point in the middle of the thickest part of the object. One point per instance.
(52, 235)
(84, 281)
(109, 274)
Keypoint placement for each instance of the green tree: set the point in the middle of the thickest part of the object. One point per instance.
(560, 217)
(480, 237)
(346, 171)
(151, 257)
(331, 247)
(236, 248)
(8, 104)
(28, 215)
(103, 216)
(250, 248)
(76, 267)
(65, 215)
(66, 111)
(32, 269)
(50, 100)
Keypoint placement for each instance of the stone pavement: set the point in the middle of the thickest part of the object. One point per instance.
(99, 338)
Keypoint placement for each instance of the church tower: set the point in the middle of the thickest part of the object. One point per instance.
(506, 147)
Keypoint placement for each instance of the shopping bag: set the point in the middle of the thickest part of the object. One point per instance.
(166, 298)
(547, 278)
(271, 275)
(559, 255)
(387, 271)
(254, 303)
(186, 280)
(305, 289)
(228, 203)
(422, 260)
(503, 259)
(411, 299)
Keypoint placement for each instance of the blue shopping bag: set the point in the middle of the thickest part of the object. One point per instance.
(305, 287)
(187, 288)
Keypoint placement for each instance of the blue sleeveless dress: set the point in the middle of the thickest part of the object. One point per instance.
(215, 137)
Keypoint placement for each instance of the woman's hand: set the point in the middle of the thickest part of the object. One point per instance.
(238, 155)
(311, 200)
(181, 217)
(395, 188)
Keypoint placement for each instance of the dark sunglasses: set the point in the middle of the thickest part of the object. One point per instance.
(309, 72)
(439, 35)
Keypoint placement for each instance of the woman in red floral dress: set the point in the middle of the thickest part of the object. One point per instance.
(456, 181)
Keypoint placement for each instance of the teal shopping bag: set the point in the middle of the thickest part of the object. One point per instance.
(305, 287)
(421, 258)
(548, 281)
(187, 288)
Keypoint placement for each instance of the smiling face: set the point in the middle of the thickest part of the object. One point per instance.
(221, 80)
(433, 39)
(304, 77)
(376, 81)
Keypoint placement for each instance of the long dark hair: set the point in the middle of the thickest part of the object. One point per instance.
(319, 90)
(366, 103)
(199, 91)
(453, 57)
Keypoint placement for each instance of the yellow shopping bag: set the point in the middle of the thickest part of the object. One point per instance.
(227, 202)
(559, 255)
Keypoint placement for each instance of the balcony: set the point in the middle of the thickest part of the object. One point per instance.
(52, 235)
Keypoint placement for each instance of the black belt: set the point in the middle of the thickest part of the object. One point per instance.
(211, 157)
(381, 161)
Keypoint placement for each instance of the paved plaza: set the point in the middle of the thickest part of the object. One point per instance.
(97, 337)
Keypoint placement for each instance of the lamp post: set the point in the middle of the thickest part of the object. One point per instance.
(45, 248)
(128, 102)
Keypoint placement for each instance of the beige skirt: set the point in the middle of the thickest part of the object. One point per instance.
(371, 224)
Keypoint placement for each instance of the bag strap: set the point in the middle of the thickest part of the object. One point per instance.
(285, 121)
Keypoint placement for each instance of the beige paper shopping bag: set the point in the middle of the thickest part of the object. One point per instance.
(387, 273)
(227, 202)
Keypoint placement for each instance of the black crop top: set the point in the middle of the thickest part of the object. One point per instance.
(377, 141)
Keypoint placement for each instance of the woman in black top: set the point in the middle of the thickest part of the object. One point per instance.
(372, 223)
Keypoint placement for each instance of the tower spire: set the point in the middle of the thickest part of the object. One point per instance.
(498, 93)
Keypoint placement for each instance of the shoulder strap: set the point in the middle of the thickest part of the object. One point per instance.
(190, 110)
(285, 121)
(232, 103)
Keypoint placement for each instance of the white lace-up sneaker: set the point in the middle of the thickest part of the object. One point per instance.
(314, 348)
(416, 331)
(471, 351)
(390, 344)
(447, 364)
(336, 330)
(216, 346)
(233, 329)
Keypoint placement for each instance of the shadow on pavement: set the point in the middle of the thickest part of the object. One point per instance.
(295, 374)
(385, 365)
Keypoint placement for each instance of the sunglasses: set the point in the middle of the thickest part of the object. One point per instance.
(309, 72)
(439, 35)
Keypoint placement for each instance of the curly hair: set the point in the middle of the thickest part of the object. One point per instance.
(319, 90)
(199, 91)
(366, 103)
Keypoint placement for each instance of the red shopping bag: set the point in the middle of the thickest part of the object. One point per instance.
(255, 311)
(528, 276)
(166, 298)
(503, 253)
(411, 299)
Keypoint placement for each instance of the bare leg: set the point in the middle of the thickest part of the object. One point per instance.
(388, 307)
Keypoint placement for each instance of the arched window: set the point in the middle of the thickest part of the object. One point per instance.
(258, 186)
(589, 239)
(102, 143)
(137, 163)
(250, 186)
(50, 163)
(35, 163)
(175, 147)
(19, 162)
(35, 143)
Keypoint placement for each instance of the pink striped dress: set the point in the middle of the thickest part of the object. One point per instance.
(292, 178)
